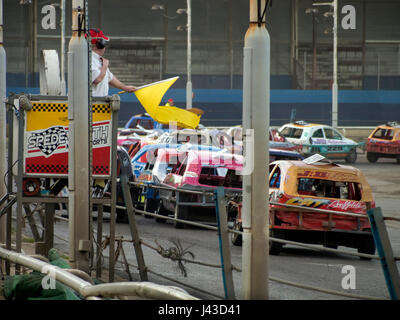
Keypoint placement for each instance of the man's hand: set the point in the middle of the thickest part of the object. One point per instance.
(106, 62)
(129, 88)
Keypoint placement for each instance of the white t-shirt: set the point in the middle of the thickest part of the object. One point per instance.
(100, 89)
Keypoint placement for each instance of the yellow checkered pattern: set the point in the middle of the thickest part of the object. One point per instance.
(49, 107)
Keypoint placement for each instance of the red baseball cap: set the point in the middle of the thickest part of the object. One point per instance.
(97, 34)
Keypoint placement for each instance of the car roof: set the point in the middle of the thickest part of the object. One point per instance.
(303, 124)
(205, 156)
(319, 165)
(281, 152)
(390, 125)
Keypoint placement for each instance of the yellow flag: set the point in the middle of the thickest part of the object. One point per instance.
(150, 97)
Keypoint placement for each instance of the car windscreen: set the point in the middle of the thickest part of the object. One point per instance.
(332, 134)
(329, 189)
(290, 132)
(385, 134)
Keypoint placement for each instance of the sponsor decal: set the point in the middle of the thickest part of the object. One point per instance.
(49, 140)
(100, 134)
(307, 202)
(346, 205)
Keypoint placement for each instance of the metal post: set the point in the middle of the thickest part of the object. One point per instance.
(132, 224)
(49, 226)
(130, 210)
(314, 48)
(304, 69)
(385, 252)
(78, 156)
(18, 232)
(189, 89)
(161, 63)
(224, 247)
(62, 22)
(230, 40)
(99, 240)
(3, 139)
(333, 4)
(335, 57)
(378, 76)
(114, 129)
(10, 112)
(256, 99)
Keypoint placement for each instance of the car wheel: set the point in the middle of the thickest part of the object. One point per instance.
(398, 158)
(366, 245)
(352, 156)
(372, 157)
(183, 215)
(275, 248)
(161, 211)
(235, 237)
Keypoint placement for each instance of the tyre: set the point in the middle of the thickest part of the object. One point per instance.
(398, 158)
(183, 213)
(366, 245)
(161, 211)
(372, 157)
(236, 238)
(352, 156)
(275, 248)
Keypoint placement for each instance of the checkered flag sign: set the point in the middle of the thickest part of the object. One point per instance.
(49, 140)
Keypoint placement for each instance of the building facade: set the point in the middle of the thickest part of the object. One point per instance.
(149, 41)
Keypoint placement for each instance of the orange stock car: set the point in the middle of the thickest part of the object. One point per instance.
(298, 192)
(384, 142)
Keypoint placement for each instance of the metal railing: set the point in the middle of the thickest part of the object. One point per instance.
(85, 287)
(278, 240)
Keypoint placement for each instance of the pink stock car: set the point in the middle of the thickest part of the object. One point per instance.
(199, 171)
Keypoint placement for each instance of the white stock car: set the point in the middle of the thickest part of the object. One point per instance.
(322, 139)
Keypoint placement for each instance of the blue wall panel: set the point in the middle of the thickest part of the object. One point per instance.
(224, 107)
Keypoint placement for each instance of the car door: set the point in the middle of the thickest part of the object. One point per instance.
(318, 137)
(334, 139)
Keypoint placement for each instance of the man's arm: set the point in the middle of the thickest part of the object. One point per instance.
(118, 84)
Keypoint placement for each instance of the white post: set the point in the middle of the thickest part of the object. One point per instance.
(3, 147)
(335, 57)
(255, 213)
(335, 89)
(63, 85)
(78, 136)
(189, 56)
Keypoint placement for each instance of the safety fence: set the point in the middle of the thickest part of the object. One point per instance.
(178, 254)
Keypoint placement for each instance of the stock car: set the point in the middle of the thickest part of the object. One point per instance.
(384, 142)
(278, 141)
(298, 190)
(321, 139)
(199, 171)
(148, 153)
(152, 174)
